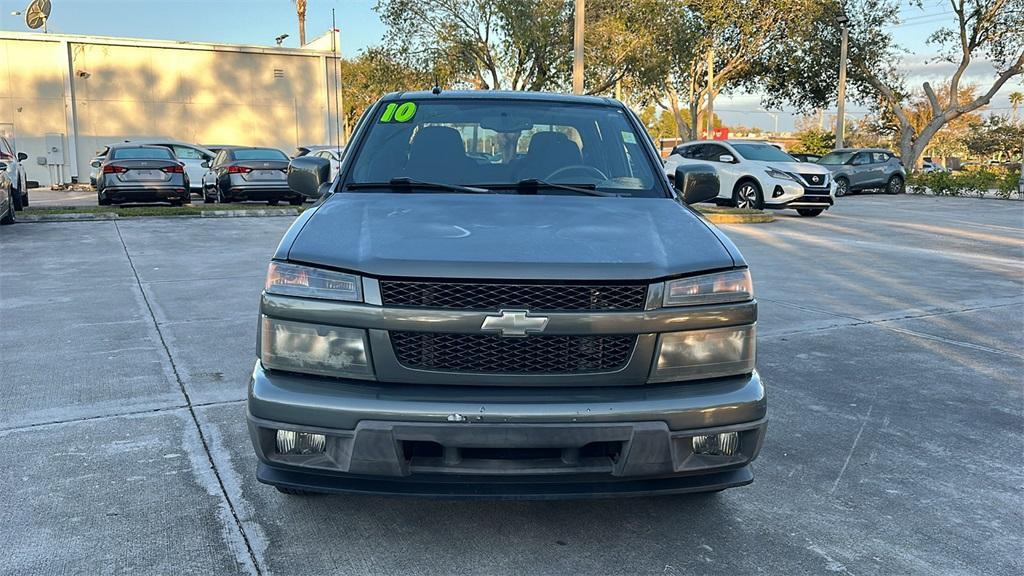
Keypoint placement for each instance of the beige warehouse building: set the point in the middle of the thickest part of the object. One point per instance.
(62, 97)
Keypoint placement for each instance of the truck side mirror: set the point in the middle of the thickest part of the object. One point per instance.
(307, 175)
(696, 182)
(22, 156)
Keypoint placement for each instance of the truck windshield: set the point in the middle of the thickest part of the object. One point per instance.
(536, 146)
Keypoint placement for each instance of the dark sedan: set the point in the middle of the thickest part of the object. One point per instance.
(238, 174)
(135, 173)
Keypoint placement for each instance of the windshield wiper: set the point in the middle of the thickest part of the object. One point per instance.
(536, 183)
(404, 182)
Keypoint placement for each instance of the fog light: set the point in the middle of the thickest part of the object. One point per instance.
(291, 442)
(724, 444)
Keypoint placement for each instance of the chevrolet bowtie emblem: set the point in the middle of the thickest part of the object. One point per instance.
(514, 323)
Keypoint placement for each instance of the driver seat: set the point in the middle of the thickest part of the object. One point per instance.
(549, 151)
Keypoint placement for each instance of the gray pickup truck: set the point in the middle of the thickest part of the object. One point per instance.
(500, 295)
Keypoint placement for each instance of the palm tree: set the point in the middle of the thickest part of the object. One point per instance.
(300, 11)
(1016, 99)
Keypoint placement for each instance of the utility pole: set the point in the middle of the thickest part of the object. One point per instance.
(711, 92)
(841, 115)
(577, 48)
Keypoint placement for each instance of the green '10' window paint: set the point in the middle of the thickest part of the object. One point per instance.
(398, 112)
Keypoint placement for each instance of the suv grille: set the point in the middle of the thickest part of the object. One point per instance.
(822, 179)
(492, 354)
(466, 296)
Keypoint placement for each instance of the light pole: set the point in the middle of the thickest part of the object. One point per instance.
(577, 47)
(841, 123)
(774, 116)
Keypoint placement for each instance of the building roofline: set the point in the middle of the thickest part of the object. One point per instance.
(151, 43)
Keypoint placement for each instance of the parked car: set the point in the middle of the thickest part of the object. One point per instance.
(12, 163)
(249, 173)
(803, 157)
(563, 325)
(857, 169)
(333, 155)
(928, 166)
(759, 175)
(6, 199)
(308, 149)
(137, 173)
(191, 156)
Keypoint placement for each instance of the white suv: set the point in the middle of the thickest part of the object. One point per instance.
(759, 175)
(12, 162)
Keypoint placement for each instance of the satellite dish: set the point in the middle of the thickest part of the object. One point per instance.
(37, 13)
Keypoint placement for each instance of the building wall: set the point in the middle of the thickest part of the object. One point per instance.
(206, 94)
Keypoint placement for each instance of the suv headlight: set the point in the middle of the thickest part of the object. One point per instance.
(297, 280)
(776, 173)
(314, 349)
(718, 288)
(705, 354)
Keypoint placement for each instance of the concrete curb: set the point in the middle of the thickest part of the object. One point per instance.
(93, 216)
(69, 217)
(243, 213)
(739, 218)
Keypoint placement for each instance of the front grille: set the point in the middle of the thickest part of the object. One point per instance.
(822, 179)
(492, 354)
(476, 296)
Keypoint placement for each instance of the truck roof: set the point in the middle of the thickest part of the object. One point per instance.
(503, 95)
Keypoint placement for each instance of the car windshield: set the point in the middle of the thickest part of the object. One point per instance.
(505, 145)
(142, 154)
(763, 153)
(837, 157)
(259, 154)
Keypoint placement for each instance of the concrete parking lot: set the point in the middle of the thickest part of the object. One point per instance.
(891, 339)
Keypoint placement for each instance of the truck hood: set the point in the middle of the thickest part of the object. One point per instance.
(504, 236)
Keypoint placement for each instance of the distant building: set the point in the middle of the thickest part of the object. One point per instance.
(63, 97)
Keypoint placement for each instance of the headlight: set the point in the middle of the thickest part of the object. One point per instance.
(720, 288)
(314, 349)
(296, 280)
(705, 354)
(776, 173)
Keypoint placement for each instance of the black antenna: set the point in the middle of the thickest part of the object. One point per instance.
(437, 84)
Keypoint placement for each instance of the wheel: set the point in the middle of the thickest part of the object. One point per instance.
(101, 200)
(175, 203)
(271, 202)
(842, 186)
(9, 217)
(293, 491)
(895, 185)
(747, 195)
(16, 200)
(220, 197)
(24, 194)
(296, 201)
(809, 212)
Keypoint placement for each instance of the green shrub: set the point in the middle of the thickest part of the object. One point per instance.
(974, 183)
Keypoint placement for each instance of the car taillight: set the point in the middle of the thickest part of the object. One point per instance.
(111, 169)
(239, 169)
(173, 169)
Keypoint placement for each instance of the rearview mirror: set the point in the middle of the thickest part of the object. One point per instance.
(308, 174)
(727, 158)
(696, 182)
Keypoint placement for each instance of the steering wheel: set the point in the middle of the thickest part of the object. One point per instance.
(578, 168)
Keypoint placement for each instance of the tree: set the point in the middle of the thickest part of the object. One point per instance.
(801, 70)
(300, 11)
(374, 73)
(1016, 99)
(492, 44)
(814, 141)
(995, 136)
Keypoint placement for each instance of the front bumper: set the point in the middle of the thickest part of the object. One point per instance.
(495, 442)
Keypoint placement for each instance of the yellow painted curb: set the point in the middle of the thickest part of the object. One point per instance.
(740, 218)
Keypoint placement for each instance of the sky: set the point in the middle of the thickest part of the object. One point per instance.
(260, 21)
